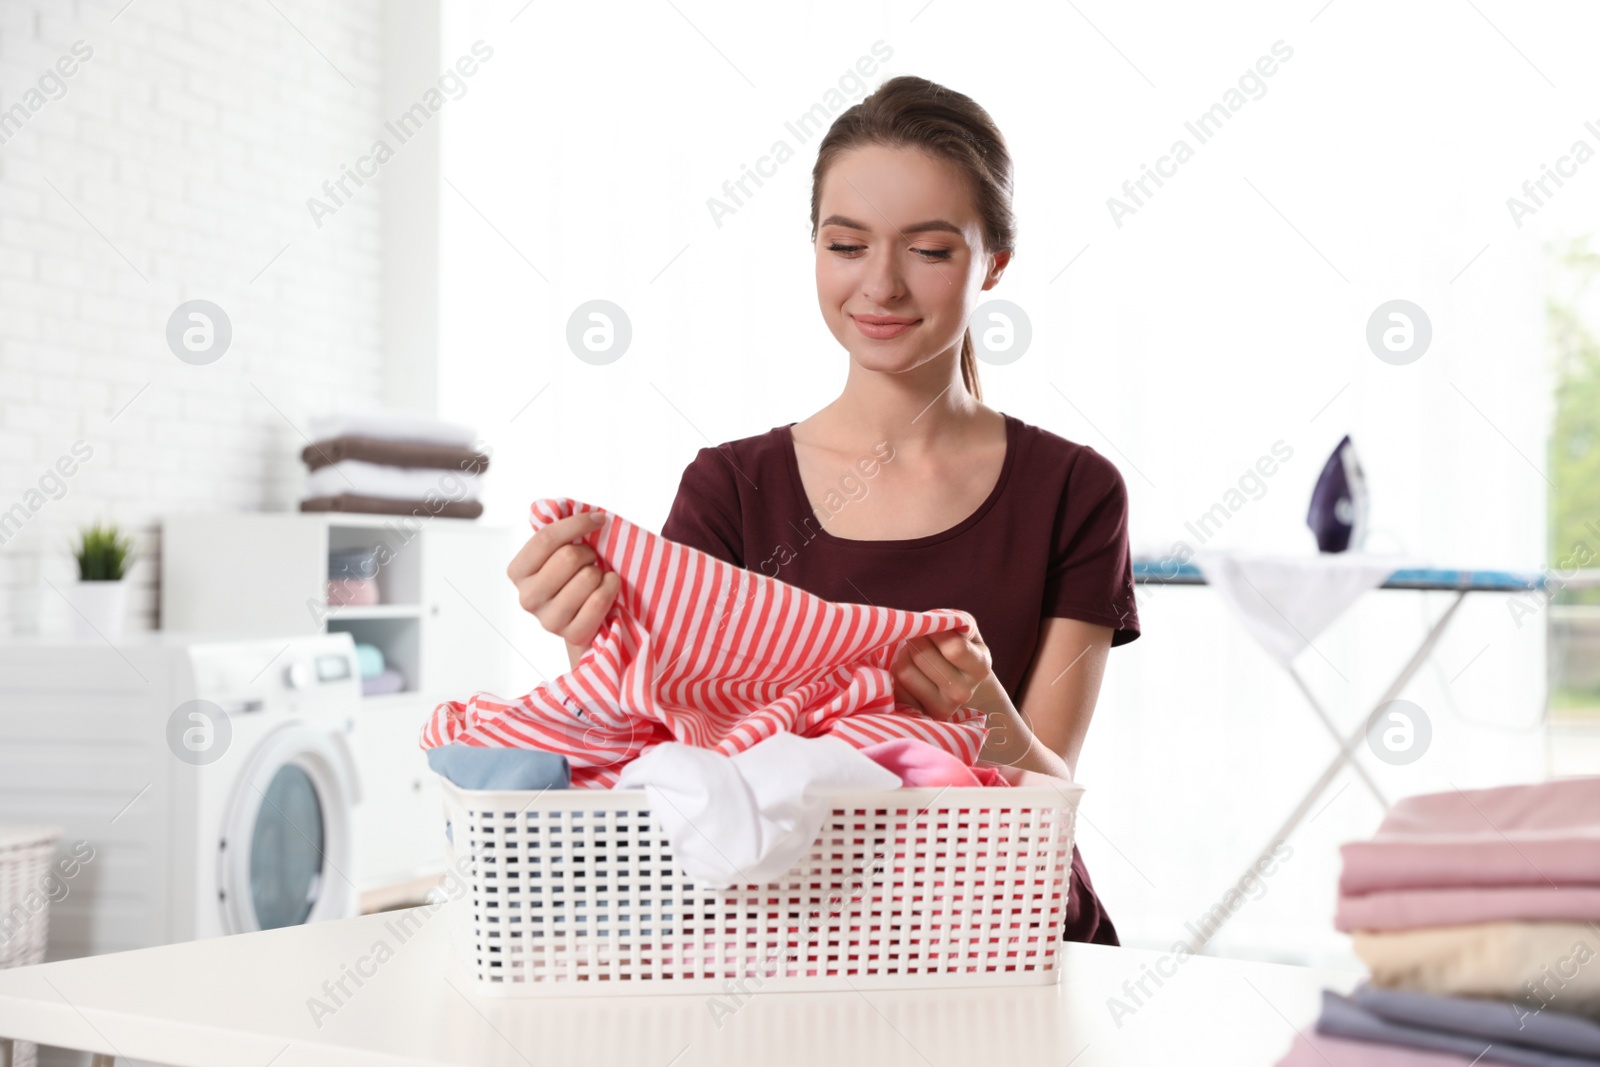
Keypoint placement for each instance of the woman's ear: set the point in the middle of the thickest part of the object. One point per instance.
(997, 266)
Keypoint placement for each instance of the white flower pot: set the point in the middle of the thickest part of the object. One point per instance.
(98, 608)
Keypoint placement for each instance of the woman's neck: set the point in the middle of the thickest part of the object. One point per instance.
(916, 409)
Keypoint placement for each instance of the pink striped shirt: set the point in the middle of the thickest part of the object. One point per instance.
(702, 652)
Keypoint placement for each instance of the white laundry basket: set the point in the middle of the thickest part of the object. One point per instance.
(25, 856)
(571, 892)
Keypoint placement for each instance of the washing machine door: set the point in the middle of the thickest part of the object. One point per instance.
(286, 845)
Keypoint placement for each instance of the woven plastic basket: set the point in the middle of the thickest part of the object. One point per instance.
(570, 892)
(25, 856)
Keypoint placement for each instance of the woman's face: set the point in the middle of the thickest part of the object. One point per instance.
(898, 237)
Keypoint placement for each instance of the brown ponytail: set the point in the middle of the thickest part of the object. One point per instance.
(912, 112)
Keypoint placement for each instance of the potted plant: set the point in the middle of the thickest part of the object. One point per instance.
(99, 597)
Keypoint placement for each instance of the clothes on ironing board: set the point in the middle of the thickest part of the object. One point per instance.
(703, 653)
(1323, 1050)
(1405, 909)
(1285, 601)
(746, 819)
(1543, 835)
(1343, 1017)
(1500, 1021)
(475, 767)
(918, 763)
(1533, 964)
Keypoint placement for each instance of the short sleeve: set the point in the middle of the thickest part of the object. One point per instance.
(1090, 576)
(705, 513)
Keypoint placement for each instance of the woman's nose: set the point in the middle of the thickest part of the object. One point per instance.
(883, 282)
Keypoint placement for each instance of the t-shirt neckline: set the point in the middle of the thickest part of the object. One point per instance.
(793, 460)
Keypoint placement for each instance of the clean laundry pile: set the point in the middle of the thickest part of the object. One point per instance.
(736, 701)
(391, 463)
(1477, 914)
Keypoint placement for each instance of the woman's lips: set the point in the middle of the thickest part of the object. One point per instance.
(882, 331)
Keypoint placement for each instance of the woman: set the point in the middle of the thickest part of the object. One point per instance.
(928, 498)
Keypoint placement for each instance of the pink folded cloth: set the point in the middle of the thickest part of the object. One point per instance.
(1320, 1050)
(1405, 909)
(1544, 835)
(921, 764)
(352, 591)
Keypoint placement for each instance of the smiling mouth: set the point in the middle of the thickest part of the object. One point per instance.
(883, 330)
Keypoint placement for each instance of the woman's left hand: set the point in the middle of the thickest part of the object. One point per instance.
(939, 673)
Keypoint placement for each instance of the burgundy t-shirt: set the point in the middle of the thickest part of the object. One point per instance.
(1051, 539)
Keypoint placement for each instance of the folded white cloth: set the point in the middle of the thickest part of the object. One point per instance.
(1284, 602)
(397, 483)
(390, 426)
(747, 819)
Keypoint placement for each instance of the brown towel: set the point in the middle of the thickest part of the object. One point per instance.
(394, 454)
(382, 505)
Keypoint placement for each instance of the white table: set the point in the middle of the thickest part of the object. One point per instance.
(242, 1001)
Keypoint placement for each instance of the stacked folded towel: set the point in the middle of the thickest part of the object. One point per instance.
(1477, 914)
(377, 677)
(391, 463)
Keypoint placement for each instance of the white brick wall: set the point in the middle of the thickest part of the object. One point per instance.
(190, 140)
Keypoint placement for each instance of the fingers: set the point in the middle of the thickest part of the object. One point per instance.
(561, 607)
(542, 545)
(955, 686)
(912, 685)
(588, 618)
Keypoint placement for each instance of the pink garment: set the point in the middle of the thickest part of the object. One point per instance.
(1543, 835)
(1405, 909)
(921, 764)
(1311, 1049)
(698, 651)
(352, 591)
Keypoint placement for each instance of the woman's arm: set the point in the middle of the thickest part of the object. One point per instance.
(1063, 685)
(941, 672)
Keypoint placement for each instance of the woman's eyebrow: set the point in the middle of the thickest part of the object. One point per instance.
(920, 227)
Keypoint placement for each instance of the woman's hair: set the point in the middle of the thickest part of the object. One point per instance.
(911, 112)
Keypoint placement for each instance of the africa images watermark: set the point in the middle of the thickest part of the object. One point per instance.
(810, 123)
(1251, 886)
(52, 485)
(1523, 604)
(404, 127)
(850, 489)
(1203, 128)
(1566, 166)
(53, 889)
(51, 86)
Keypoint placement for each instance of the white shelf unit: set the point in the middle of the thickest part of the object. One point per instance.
(445, 620)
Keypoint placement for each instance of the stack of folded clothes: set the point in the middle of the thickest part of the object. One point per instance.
(391, 463)
(1477, 914)
(377, 677)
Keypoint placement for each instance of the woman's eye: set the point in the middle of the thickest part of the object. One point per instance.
(930, 254)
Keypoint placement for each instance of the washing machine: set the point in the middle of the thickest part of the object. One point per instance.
(204, 786)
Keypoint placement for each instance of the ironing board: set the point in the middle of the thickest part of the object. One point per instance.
(1460, 582)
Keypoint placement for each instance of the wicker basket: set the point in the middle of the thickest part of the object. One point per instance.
(573, 892)
(26, 853)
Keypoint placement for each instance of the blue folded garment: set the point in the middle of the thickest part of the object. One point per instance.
(1343, 1017)
(476, 767)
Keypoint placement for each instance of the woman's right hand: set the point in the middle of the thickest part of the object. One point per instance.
(562, 584)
